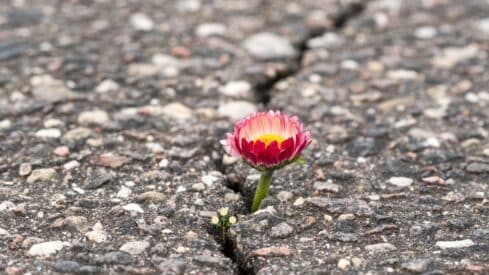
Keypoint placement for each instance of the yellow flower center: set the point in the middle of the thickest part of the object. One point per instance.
(269, 138)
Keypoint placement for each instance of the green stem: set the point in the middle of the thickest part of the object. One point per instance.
(262, 189)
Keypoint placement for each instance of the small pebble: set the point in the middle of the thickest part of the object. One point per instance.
(62, 151)
(210, 29)
(152, 196)
(232, 197)
(163, 163)
(299, 201)
(281, 230)
(177, 111)
(66, 266)
(357, 262)
(135, 247)
(229, 160)
(344, 264)
(71, 165)
(346, 217)
(426, 32)
(381, 247)
(106, 86)
(47, 248)
(327, 186)
(268, 46)
(4, 232)
(48, 133)
(328, 218)
(455, 244)
(94, 117)
(236, 109)
(284, 196)
(5, 124)
(400, 181)
(198, 186)
(46, 174)
(133, 208)
(236, 88)
(209, 180)
(53, 123)
(417, 266)
(97, 235)
(77, 134)
(155, 148)
(25, 169)
(124, 192)
(142, 22)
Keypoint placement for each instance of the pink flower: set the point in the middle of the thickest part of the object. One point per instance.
(267, 140)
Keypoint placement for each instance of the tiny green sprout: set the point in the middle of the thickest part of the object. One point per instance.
(224, 221)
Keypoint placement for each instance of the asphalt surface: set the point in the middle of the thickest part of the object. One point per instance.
(111, 114)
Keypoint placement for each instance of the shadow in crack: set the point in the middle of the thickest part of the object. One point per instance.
(228, 248)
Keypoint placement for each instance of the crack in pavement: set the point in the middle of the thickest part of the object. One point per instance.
(263, 91)
(263, 94)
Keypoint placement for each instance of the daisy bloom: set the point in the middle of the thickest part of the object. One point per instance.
(267, 141)
(224, 211)
(232, 220)
(214, 220)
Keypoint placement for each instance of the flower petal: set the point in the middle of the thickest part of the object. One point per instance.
(267, 139)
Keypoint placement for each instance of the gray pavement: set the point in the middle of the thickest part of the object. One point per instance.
(111, 114)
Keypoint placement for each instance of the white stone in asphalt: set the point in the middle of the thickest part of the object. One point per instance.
(47, 248)
(401, 181)
(134, 247)
(455, 244)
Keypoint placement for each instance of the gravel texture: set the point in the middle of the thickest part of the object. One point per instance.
(111, 114)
